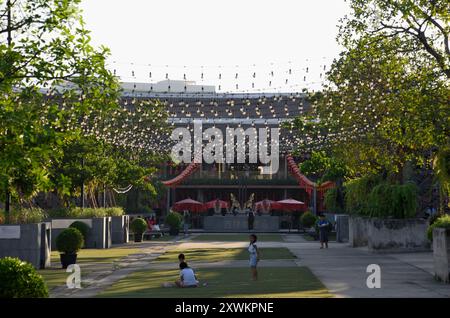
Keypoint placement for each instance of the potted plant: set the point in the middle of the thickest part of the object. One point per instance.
(69, 242)
(174, 220)
(308, 219)
(138, 227)
(82, 227)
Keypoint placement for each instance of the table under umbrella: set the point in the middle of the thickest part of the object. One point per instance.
(291, 205)
(188, 204)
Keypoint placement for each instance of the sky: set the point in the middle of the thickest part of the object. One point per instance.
(269, 44)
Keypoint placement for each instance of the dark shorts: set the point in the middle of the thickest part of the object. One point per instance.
(323, 235)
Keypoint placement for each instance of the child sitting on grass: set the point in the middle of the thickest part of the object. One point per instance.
(187, 277)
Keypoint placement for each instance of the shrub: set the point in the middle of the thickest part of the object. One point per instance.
(82, 227)
(86, 212)
(174, 220)
(69, 241)
(20, 280)
(330, 201)
(370, 196)
(441, 222)
(308, 219)
(138, 226)
(114, 211)
(393, 200)
(24, 216)
(356, 192)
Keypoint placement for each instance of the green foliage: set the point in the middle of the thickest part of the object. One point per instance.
(441, 166)
(325, 167)
(85, 213)
(356, 193)
(69, 241)
(331, 201)
(442, 221)
(82, 227)
(308, 219)
(174, 220)
(393, 200)
(138, 226)
(24, 216)
(20, 280)
(59, 106)
(374, 197)
(421, 26)
(386, 100)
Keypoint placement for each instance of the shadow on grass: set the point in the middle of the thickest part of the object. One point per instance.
(236, 238)
(222, 282)
(221, 254)
(89, 260)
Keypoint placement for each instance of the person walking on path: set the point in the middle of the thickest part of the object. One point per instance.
(254, 256)
(251, 220)
(324, 227)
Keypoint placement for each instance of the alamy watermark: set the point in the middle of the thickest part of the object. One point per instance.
(374, 279)
(74, 279)
(239, 144)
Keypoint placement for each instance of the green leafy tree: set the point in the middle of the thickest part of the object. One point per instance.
(420, 25)
(58, 103)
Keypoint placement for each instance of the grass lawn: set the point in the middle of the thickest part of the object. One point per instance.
(55, 275)
(220, 254)
(222, 282)
(236, 238)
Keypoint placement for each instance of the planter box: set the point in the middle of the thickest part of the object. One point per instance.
(441, 254)
(99, 236)
(120, 228)
(342, 228)
(400, 235)
(29, 242)
(358, 231)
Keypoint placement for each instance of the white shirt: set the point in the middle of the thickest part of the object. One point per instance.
(188, 277)
(252, 249)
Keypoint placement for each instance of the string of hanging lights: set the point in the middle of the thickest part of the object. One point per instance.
(133, 128)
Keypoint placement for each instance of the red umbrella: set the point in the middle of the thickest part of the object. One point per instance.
(216, 203)
(291, 205)
(266, 205)
(188, 204)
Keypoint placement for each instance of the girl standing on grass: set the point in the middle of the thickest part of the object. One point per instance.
(254, 256)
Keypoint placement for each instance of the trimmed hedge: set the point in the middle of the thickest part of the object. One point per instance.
(138, 226)
(441, 222)
(174, 220)
(24, 216)
(80, 213)
(20, 280)
(69, 241)
(308, 219)
(82, 227)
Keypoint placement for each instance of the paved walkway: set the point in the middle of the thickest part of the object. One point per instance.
(341, 269)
